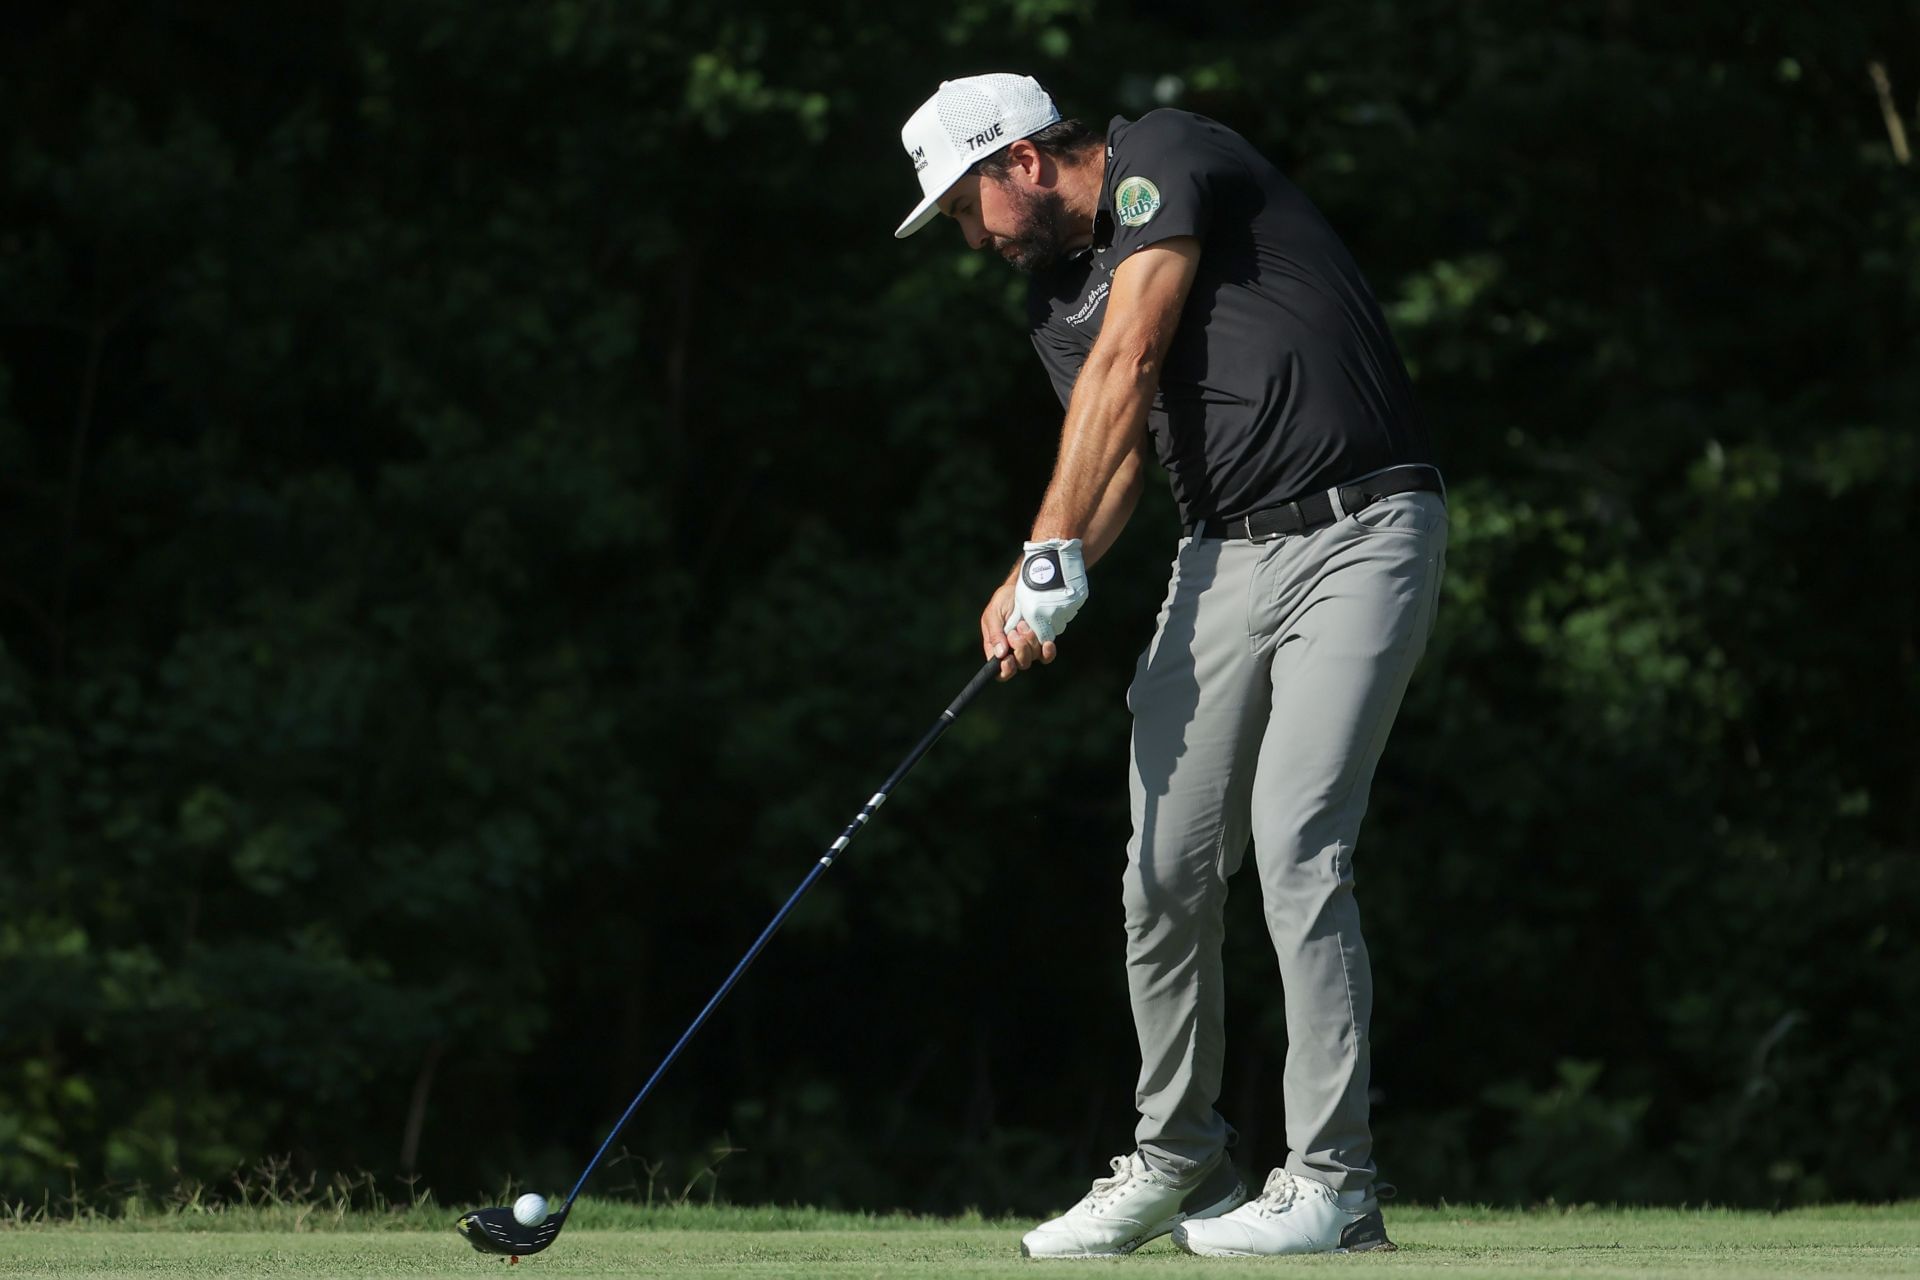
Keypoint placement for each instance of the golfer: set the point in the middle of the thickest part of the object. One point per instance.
(1190, 304)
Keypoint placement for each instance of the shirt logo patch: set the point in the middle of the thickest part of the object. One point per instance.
(1135, 202)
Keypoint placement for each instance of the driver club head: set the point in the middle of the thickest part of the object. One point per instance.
(496, 1230)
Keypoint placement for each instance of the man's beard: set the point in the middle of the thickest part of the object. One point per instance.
(1041, 240)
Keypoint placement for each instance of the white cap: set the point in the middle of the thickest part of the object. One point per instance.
(968, 120)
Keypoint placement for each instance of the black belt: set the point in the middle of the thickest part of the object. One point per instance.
(1317, 511)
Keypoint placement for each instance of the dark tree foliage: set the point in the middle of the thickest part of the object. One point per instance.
(483, 497)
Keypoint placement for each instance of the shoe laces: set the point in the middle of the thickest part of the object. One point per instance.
(1125, 1170)
(1278, 1195)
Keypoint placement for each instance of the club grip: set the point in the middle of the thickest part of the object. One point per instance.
(974, 686)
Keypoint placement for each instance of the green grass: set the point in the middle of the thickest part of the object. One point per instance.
(616, 1240)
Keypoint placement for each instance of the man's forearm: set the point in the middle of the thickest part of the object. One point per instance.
(1116, 506)
(1106, 422)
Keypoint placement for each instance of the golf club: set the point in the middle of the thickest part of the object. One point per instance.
(496, 1230)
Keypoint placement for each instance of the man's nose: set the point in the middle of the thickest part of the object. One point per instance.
(975, 233)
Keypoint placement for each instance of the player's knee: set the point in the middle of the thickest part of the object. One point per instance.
(1157, 906)
(1293, 858)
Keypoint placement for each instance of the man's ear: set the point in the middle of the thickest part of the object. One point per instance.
(1026, 162)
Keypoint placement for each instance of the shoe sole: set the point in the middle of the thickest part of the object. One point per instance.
(1385, 1246)
(1227, 1205)
(1204, 1251)
(1368, 1235)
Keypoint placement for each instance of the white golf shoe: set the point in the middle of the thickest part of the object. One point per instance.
(1290, 1215)
(1132, 1206)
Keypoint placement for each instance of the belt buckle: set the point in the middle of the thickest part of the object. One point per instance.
(1299, 522)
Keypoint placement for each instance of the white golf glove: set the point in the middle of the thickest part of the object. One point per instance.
(1051, 588)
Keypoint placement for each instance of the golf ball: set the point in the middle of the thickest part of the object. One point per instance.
(530, 1210)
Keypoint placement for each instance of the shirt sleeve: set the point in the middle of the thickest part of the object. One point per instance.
(1168, 172)
(1060, 354)
(1062, 361)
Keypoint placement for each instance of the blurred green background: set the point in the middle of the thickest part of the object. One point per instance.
(483, 498)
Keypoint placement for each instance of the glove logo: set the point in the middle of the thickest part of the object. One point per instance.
(1041, 571)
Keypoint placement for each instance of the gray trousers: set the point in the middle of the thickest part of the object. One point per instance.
(1260, 709)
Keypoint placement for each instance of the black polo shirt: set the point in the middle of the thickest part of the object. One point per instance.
(1281, 379)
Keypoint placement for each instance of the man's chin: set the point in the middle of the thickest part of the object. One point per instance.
(1028, 261)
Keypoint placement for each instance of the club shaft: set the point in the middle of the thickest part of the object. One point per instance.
(947, 717)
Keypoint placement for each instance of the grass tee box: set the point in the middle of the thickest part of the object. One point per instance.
(620, 1240)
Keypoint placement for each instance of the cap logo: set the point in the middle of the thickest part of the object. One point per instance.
(1135, 201)
(985, 136)
(919, 155)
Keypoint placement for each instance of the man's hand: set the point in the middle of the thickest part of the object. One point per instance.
(1049, 589)
(1016, 652)
(1031, 608)
(1004, 635)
